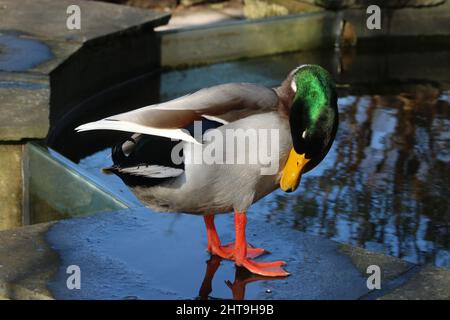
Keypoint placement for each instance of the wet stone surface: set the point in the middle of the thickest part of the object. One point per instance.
(148, 255)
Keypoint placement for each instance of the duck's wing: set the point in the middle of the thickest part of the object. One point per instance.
(223, 103)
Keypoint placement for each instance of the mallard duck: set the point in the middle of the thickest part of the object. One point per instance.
(302, 112)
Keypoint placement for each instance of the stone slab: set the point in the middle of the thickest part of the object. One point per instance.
(115, 43)
(390, 267)
(255, 9)
(46, 19)
(26, 263)
(24, 106)
(10, 186)
(430, 283)
(237, 40)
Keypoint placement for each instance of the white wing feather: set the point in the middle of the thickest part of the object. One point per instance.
(222, 103)
(178, 134)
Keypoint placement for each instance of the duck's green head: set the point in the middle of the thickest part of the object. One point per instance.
(313, 119)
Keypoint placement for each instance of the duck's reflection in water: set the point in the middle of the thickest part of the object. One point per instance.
(241, 279)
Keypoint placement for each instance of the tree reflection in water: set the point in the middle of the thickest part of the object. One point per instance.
(385, 183)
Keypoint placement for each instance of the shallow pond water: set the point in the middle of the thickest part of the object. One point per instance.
(383, 186)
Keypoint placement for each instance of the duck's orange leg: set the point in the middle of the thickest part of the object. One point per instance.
(226, 251)
(269, 269)
(214, 246)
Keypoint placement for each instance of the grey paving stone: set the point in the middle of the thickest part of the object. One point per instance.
(430, 283)
(46, 19)
(24, 109)
(26, 263)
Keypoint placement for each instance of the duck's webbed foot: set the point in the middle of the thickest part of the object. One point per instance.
(221, 251)
(226, 251)
(240, 251)
(252, 252)
(269, 269)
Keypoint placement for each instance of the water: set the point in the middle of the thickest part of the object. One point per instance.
(14, 53)
(383, 186)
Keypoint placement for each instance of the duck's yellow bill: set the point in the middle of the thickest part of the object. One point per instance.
(292, 171)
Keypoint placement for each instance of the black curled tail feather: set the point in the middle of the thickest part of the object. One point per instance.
(118, 156)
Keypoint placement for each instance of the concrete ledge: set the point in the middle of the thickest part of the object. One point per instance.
(46, 19)
(237, 40)
(114, 43)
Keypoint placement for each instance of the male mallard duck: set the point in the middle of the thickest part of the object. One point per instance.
(302, 112)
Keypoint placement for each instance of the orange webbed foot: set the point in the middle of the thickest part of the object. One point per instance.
(227, 251)
(240, 251)
(252, 252)
(222, 251)
(267, 269)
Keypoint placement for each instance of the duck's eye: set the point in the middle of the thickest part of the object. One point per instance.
(294, 86)
(304, 134)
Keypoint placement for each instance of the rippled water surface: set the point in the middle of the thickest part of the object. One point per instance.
(383, 186)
